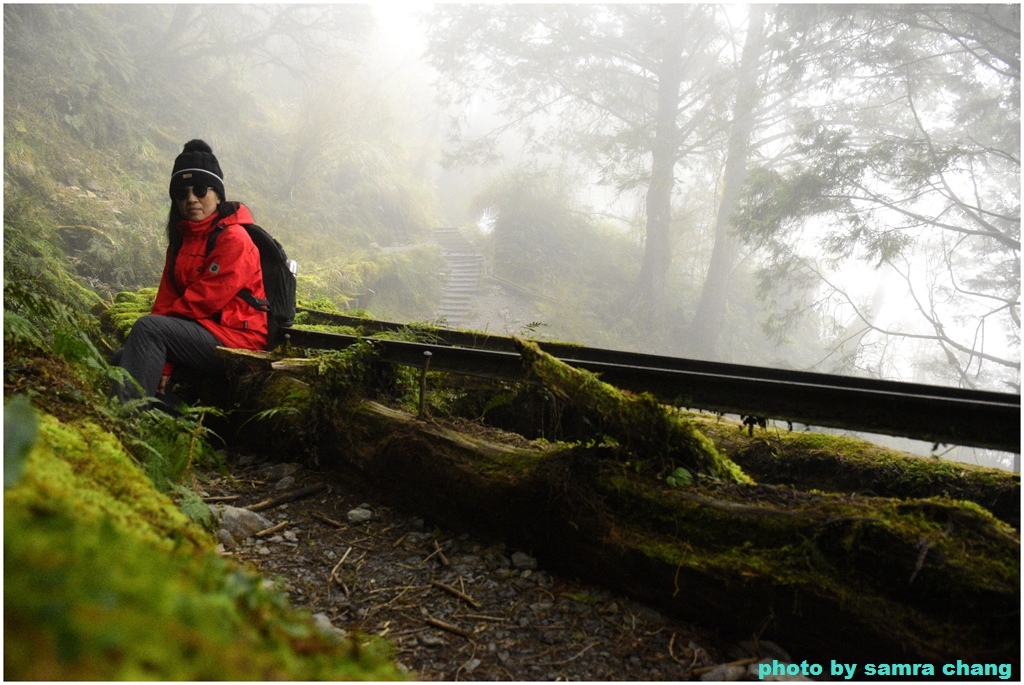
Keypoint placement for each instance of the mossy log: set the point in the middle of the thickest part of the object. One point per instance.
(831, 576)
(639, 422)
(818, 461)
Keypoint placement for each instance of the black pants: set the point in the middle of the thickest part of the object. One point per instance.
(155, 340)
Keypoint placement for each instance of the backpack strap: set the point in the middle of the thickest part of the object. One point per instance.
(263, 306)
(246, 294)
(255, 302)
(212, 239)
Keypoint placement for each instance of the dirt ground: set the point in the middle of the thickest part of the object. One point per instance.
(455, 607)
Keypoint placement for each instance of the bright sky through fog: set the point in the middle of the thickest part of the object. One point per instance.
(399, 29)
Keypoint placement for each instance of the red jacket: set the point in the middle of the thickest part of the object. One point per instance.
(205, 287)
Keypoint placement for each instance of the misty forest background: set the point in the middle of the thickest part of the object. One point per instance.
(819, 187)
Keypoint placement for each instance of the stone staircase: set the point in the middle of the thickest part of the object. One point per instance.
(465, 269)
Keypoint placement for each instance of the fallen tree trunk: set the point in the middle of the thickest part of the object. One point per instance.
(646, 428)
(819, 461)
(852, 578)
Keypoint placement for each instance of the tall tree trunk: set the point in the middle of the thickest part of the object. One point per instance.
(706, 327)
(650, 288)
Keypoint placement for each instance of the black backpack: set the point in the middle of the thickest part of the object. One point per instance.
(278, 281)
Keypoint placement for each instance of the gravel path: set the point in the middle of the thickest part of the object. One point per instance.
(455, 607)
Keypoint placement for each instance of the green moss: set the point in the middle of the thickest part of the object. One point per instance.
(128, 307)
(327, 328)
(841, 464)
(923, 570)
(640, 423)
(871, 542)
(105, 579)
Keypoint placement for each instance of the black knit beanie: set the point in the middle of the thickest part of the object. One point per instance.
(197, 166)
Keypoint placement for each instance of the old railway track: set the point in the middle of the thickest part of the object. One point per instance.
(925, 412)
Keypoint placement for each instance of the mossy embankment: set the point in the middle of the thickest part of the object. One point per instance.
(106, 579)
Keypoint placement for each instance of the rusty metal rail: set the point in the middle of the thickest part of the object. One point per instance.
(924, 412)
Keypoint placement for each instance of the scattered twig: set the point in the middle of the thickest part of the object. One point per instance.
(672, 653)
(393, 588)
(328, 521)
(399, 596)
(467, 663)
(572, 658)
(441, 556)
(272, 529)
(444, 625)
(334, 570)
(452, 591)
(482, 617)
(288, 497)
(334, 574)
(221, 498)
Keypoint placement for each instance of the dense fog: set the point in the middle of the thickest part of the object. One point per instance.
(819, 187)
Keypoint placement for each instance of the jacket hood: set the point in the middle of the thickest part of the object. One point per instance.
(234, 213)
(227, 214)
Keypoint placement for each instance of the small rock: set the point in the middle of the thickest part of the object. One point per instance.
(322, 622)
(523, 560)
(428, 640)
(241, 523)
(359, 515)
(276, 472)
(225, 539)
(471, 561)
(285, 483)
(263, 551)
(276, 539)
(725, 672)
(291, 536)
(471, 665)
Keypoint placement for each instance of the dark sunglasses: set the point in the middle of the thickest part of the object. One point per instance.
(181, 192)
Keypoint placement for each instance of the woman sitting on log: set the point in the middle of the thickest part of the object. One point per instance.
(211, 278)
